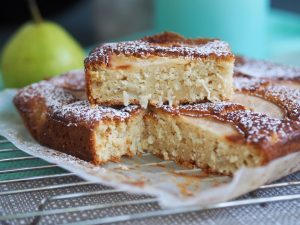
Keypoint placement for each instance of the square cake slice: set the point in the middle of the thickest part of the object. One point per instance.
(221, 137)
(164, 68)
(58, 115)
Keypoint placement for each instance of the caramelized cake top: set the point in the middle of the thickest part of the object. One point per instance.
(65, 100)
(276, 83)
(263, 69)
(166, 44)
(257, 128)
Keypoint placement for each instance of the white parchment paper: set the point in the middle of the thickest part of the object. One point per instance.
(173, 185)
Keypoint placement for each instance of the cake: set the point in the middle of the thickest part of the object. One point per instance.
(220, 137)
(260, 123)
(164, 68)
(58, 115)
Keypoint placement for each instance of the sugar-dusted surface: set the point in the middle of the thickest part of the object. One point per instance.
(157, 180)
(64, 98)
(257, 128)
(263, 69)
(80, 111)
(249, 83)
(263, 79)
(287, 98)
(163, 45)
(280, 137)
(72, 80)
(202, 109)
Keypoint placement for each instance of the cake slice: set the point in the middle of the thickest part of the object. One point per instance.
(164, 68)
(58, 115)
(221, 137)
(259, 124)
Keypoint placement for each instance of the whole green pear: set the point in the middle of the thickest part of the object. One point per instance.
(38, 51)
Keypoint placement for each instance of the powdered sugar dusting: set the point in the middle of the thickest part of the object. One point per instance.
(271, 134)
(80, 111)
(53, 96)
(257, 128)
(264, 69)
(72, 80)
(63, 103)
(155, 183)
(285, 97)
(200, 109)
(145, 48)
(249, 83)
(261, 129)
(276, 137)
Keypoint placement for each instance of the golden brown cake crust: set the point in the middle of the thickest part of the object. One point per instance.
(57, 114)
(267, 80)
(272, 137)
(251, 68)
(65, 100)
(164, 45)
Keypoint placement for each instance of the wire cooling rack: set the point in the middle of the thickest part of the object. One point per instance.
(33, 191)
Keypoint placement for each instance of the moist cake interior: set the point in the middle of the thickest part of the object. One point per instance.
(162, 80)
(166, 68)
(204, 140)
(259, 124)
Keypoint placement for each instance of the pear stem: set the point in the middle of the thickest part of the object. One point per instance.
(35, 12)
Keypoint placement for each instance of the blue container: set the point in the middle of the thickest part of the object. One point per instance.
(242, 23)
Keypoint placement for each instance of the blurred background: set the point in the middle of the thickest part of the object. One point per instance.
(268, 29)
